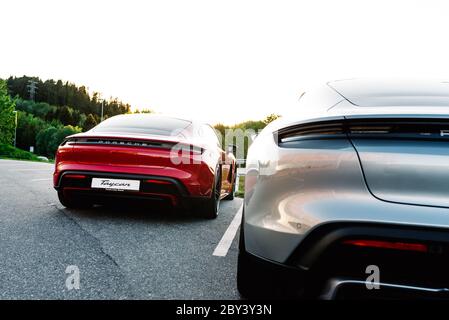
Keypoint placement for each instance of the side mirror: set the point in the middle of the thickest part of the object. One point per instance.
(232, 148)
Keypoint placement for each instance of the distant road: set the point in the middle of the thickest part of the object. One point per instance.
(120, 253)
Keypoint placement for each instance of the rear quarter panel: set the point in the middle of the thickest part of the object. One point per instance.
(291, 191)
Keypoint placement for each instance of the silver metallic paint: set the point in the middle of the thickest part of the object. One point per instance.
(290, 191)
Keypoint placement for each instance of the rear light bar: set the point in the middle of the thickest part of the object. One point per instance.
(184, 149)
(404, 246)
(377, 128)
(117, 142)
(317, 130)
(153, 181)
(75, 176)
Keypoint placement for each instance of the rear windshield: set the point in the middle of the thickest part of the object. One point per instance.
(143, 124)
(391, 93)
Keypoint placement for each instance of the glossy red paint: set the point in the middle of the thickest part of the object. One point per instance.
(127, 157)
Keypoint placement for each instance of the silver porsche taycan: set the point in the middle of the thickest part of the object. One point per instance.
(350, 198)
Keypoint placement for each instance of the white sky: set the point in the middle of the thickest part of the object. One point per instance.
(221, 61)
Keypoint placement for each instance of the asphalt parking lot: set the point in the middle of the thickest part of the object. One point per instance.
(120, 253)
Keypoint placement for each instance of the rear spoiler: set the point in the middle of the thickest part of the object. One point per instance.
(127, 142)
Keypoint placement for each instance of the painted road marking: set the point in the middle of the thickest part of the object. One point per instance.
(226, 241)
(44, 179)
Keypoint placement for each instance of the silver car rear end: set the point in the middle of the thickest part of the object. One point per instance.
(328, 196)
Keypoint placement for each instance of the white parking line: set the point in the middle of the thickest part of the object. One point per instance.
(44, 179)
(225, 243)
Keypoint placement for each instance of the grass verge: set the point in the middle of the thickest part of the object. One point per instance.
(9, 152)
(241, 190)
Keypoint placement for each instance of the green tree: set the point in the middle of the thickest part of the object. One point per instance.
(82, 121)
(76, 117)
(271, 118)
(256, 126)
(90, 122)
(144, 111)
(39, 109)
(27, 129)
(42, 139)
(221, 128)
(7, 117)
(65, 115)
(58, 136)
(49, 139)
(62, 93)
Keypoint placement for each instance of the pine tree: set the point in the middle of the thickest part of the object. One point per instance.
(90, 122)
(65, 116)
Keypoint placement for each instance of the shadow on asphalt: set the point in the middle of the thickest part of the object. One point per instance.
(147, 212)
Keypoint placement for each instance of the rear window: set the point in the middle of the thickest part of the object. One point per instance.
(391, 93)
(143, 124)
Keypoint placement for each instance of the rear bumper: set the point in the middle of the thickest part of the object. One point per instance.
(356, 289)
(285, 281)
(272, 279)
(322, 266)
(197, 179)
(160, 188)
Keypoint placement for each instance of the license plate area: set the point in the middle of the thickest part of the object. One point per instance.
(115, 184)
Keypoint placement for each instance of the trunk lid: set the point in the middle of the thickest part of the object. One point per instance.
(124, 150)
(405, 159)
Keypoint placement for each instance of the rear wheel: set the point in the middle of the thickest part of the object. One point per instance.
(73, 202)
(209, 208)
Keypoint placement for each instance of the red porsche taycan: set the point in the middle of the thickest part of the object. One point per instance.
(143, 157)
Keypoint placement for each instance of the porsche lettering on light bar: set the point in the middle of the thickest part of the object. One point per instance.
(118, 142)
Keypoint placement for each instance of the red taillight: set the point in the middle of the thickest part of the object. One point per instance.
(75, 176)
(418, 247)
(157, 181)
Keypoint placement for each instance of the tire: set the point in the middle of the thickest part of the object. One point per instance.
(209, 208)
(73, 202)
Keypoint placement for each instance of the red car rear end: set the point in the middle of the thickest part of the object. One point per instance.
(145, 157)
